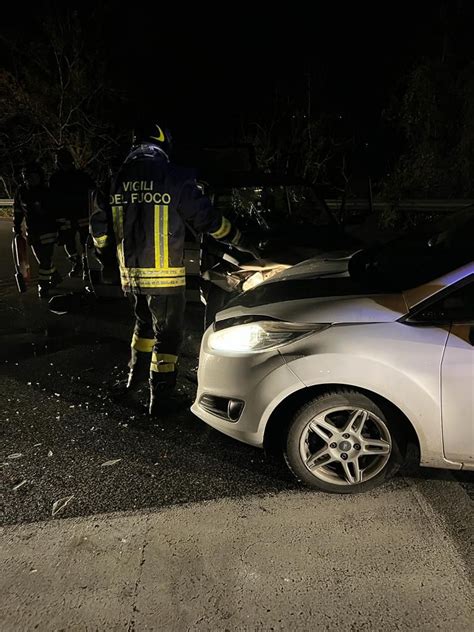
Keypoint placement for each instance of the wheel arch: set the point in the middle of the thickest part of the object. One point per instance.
(277, 424)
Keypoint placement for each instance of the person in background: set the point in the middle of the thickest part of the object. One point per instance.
(32, 204)
(71, 189)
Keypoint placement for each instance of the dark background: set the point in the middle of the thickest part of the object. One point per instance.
(207, 74)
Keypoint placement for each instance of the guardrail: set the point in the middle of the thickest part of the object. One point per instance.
(362, 204)
(412, 206)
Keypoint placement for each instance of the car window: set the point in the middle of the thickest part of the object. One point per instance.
(459, 306)
(413, 260)
(456, 307)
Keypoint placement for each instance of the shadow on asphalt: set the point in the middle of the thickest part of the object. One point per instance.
(59, 416)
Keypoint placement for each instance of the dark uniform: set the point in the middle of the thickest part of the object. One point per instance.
(150, 201)
(70, 190)
(32, 203)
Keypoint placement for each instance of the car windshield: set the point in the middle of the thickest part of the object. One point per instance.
(270, 206)
(412, 260)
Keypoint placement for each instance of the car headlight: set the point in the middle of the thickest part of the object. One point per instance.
(259, 336)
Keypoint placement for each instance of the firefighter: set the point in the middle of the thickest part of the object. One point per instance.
(144, 219)
(32, 203)
(70, 190)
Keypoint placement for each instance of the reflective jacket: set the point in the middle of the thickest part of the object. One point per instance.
(145, 213)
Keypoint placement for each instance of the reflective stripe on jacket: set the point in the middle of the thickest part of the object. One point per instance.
(145, 213)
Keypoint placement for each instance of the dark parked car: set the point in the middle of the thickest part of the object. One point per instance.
(284, 217)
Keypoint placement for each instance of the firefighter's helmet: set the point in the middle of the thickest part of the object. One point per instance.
(154, 134)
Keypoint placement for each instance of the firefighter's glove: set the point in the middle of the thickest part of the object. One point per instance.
(245, 245)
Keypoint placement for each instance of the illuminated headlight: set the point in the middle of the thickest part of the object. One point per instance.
(260, 336)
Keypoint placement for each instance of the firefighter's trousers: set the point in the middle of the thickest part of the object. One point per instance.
(68, 228)
(43, 250)
(157, 337)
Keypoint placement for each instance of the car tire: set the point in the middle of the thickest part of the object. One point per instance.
(369, 459)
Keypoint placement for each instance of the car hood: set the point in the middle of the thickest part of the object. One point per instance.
(323, 265)
(300, 294)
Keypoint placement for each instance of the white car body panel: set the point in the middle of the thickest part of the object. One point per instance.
(457, 397)
(408, 376)
(422, 369)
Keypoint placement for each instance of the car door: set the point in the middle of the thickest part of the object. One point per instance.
(457, 376)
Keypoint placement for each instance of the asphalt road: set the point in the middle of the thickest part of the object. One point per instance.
(171, 526)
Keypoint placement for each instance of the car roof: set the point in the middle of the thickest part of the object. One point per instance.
(419, 294)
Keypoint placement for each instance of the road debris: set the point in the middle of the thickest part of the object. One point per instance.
(15, 487)
(59, 505)
(15, 455)
(50, 453)
(112, 462)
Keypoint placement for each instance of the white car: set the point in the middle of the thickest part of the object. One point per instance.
(345, 377)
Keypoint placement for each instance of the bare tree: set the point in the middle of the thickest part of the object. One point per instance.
(298, 138)
(54, 94)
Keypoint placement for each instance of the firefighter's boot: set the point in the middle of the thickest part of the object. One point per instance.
(43, 289)
(162, 387)
(76, 269)
(136, 381)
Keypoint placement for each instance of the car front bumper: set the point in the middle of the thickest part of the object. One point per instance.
(259, 380)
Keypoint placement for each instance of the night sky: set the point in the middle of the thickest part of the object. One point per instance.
(204, 75)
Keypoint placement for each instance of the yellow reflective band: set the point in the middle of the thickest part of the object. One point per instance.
(224, 229)
(142, 344)
(101, 241)
(168, 358)
(150, 283)
(162, 368)
(158, 263)
(161, 236)
(163, 362)
(45, 274)
(165, 237)
(161, 137)
(152, 272)
(117, 215)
